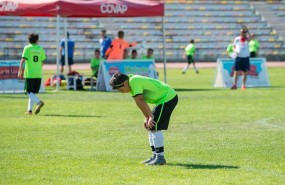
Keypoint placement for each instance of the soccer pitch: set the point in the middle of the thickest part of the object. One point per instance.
(216, 136)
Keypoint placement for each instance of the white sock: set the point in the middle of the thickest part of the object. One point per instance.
(150, 138)
(185, 68)
(158, 141)
(34, 97)
(30, 105)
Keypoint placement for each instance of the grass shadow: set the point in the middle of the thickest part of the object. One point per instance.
(73, 116)
(204, 166)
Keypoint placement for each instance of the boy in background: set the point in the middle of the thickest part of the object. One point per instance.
(30, 68)
(95, 63)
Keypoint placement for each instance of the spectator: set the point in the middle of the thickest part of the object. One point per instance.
(117, 47)
(105, 42)
(148, 90)
(70, 51)
(253, 46)
(230, 51)
(95, 63)
(30, 68)
(242, 63)
(134, 54)
(149, 54)
(190, 52)
(126, 54)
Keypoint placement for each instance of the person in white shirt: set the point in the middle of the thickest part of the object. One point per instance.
(242, 63)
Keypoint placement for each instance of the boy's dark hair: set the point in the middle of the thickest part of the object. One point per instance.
(192, 41)
(134, 51)
(121, 34)
(33, 38)
(150, 49)
(97, 51)
(118, 79)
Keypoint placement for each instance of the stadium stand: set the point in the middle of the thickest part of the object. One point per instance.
(213, 25)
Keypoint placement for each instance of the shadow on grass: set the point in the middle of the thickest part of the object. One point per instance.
(72, 116)
(212, 89)
(204, 166)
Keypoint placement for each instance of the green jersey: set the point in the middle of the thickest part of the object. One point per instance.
(253, 46)
(146, 57)
(190, 49)
(153, 91)
(230, 49)
(34, 56)
(95, 63)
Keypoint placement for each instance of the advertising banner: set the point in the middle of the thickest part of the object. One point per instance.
(257, 74)
(108, 68)
(9, 82)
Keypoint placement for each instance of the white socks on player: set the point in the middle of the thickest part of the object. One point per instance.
(33, 97)
(150, 138)
(185, 68)
(158, 141)
(30, 105)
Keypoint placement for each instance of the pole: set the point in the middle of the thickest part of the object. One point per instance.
(164, 52)
(65, 45)
(57, 52)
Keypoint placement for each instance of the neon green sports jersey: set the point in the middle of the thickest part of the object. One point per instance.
(34, 56)
(253, 46)
(153, 91)
(230, 49)
(95, 63)
(190, 49)
(146, 57)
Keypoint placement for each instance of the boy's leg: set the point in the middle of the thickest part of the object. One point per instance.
(194, 65)
(152, 149)
(158, 140)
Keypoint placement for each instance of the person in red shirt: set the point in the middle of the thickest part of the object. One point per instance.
(117, 47)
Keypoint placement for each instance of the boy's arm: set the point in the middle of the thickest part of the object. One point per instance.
(145, 110)
(21, 69)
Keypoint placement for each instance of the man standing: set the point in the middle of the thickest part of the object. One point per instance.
(30, 68)
(105, 43)
(70, 51)
(189, 52)
(148, 90)
(241, 48)
(253, 46)
(117, 47)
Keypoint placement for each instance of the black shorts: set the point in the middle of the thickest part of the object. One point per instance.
(190, 59)
(162, 114)
(252, 54)
(32, 85)
(70, 60)
(242, 64)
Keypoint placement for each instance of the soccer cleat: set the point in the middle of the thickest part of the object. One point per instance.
(149, 160)
(39, 106)
(234, 87)
(29, 113)
(159, 160)
(243, 87)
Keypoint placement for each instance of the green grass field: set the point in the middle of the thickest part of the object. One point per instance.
(216, 136)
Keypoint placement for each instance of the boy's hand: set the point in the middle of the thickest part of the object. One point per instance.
(151, 123)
